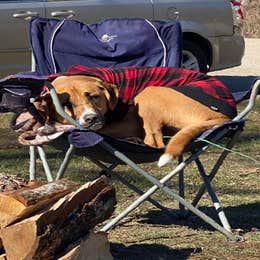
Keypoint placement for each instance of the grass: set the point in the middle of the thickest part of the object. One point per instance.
(147, 233)
(251, 24)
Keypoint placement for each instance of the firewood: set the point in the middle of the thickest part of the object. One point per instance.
(21, 203)
(45, 235)
(95, 246)
(12, 182)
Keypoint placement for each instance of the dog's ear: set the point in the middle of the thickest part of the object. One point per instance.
(44, 101)
(43, 104)
(64, 98)
(66, 104)
(112, 93)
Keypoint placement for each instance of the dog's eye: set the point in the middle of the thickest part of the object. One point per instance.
(93, 97)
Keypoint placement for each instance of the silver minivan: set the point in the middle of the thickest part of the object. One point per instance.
(211, 38)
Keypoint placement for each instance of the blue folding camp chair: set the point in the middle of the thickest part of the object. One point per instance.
(54, 51)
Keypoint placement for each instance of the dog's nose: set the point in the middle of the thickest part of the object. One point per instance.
(89, 119)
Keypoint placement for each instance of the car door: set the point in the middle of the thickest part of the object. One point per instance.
(207, 28)
(209, 18)
(14, 44)
(91, 11)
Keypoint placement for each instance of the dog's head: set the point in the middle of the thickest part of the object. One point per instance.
(85, 98)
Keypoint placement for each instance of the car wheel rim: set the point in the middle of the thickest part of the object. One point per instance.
(189, 61)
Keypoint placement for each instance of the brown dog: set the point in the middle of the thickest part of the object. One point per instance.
(89, 99)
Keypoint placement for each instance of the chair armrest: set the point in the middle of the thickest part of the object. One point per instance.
(251, 102)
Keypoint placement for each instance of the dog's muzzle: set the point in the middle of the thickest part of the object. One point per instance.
(91, 121)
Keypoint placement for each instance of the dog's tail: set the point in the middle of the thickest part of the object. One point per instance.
(178, 142)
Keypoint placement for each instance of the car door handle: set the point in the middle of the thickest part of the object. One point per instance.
(173, 13)
(63, 13)
(26, 15)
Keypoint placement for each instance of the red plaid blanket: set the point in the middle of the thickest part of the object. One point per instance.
(131, 80)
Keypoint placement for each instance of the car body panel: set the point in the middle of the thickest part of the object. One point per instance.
(203, 12)
(197, 17)
(228, 51)
(14, 34)
(91, 11)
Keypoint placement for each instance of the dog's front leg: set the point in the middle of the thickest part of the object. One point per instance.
(153, 137)
(149, 119)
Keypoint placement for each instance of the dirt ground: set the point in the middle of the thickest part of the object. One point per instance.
(251, 10)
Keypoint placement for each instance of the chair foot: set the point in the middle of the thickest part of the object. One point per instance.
(237, 238)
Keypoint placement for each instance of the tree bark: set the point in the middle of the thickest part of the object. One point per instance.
(46, 234)
(19, 204)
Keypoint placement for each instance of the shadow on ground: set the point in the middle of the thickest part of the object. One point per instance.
(244, 217)
(150, 252)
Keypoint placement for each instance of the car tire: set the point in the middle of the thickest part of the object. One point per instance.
(193, 57)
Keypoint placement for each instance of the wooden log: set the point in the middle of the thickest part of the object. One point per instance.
(19, 204)
(45, 235)
(12, 182)
(94, 246)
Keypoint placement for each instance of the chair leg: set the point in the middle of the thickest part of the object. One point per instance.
(161, 184)
(42, 154)
(214, 198)
(110, 171)
(65, 163)
(215, 169)
(32, 164)
(183, 212)
(45, 164)
(165, 210)
(107, 169)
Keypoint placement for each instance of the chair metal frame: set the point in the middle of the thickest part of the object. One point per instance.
(223, 227)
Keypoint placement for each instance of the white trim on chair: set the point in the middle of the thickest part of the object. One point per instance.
(51, 44)
(160, 39)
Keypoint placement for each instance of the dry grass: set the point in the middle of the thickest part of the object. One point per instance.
(251, 25)
(147, 233)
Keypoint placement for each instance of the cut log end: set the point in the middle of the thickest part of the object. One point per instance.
(18, 204)
(12, 182)
(45, 235)
(94, 246)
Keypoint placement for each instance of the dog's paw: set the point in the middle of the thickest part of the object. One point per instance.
(46, 130)
(164, 159)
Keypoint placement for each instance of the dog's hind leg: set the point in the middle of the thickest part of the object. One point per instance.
(177, 143)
